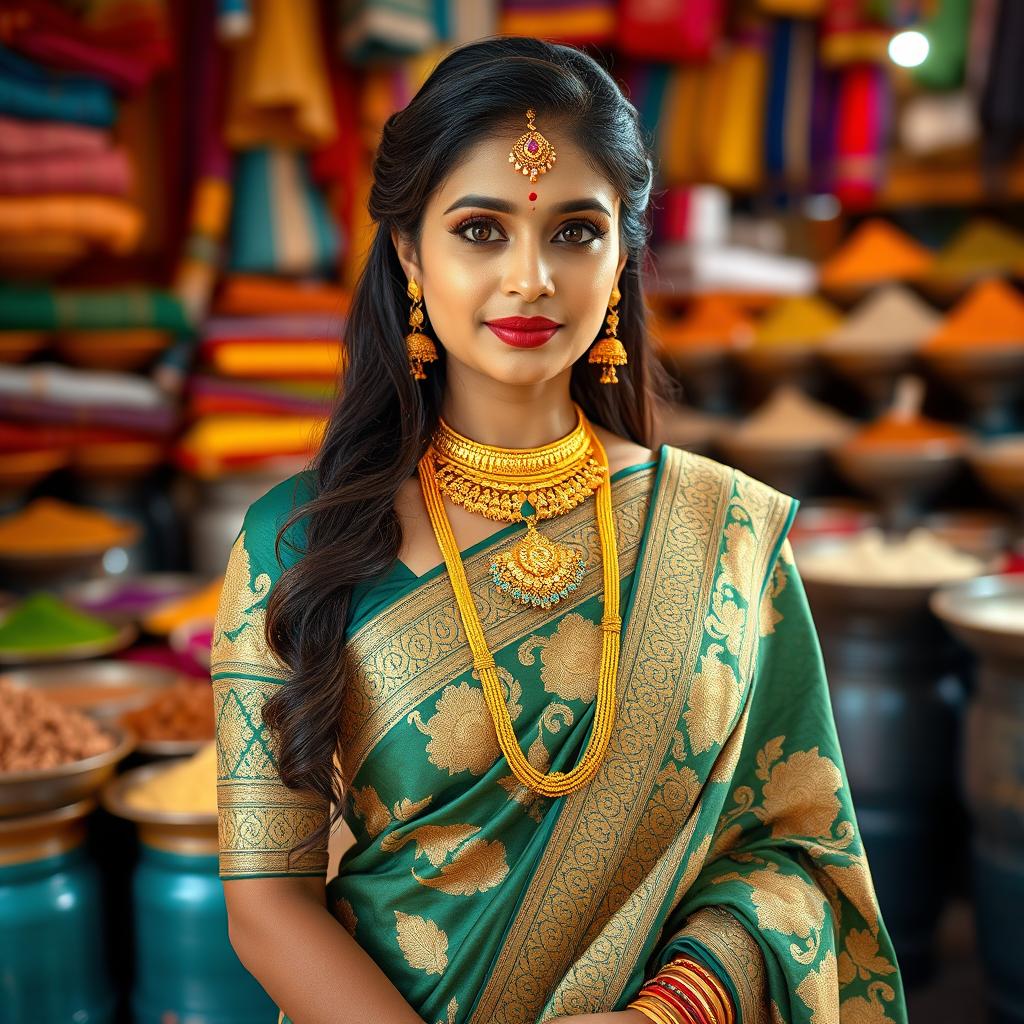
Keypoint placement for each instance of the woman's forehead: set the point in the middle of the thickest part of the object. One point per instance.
(484, 172)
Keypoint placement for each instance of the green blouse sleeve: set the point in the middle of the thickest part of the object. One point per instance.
(259, 818)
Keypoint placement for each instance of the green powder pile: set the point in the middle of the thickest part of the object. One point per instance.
(41, 622)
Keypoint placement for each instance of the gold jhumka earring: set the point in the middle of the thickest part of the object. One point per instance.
(609, 351)
(419, 347)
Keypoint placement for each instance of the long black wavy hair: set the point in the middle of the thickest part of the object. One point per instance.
(383, 418)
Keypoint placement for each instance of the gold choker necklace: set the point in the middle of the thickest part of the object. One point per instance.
(523, 485)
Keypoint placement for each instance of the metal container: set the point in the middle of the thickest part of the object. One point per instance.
(993, 770)
(51, 922)
(116, 686)
(47, 788)
(186, 969)
(896, 682)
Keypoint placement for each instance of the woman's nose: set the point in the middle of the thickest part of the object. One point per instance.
(527, 272)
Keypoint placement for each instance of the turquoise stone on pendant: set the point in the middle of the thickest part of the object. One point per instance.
(536, 570)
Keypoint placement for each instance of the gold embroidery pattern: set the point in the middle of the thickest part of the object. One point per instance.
(239, 632)
(423, 944)
(417, 645)
(477, 865)
(754, 511)
(798, 799)
(453, 1009)
(346, 916)
(570, 658)
(566, 895)
(818, 989)
(259, 818)
(533, 803)
(740, 955)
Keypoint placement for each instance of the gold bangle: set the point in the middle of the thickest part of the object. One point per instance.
(708, 1000)
(716, 985)
(655, 1009)
(722, 1009)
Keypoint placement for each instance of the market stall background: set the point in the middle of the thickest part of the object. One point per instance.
(835, 283)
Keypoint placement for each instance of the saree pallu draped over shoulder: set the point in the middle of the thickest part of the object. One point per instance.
(719, 824)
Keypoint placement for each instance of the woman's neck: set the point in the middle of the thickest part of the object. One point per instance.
(510, 417)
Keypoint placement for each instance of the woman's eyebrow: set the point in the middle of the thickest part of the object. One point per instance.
(504, 206)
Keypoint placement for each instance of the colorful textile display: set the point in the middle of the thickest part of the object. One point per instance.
(99, 220)
(790, 99)
(123, 42)
(54, 393)
(279, 94)
(105, 171)
(218, 443)
(30, 90)
(378, 29)
(280, 222)
(729, 834)
(574, 22)
(22, 138)
(247, 294)
(862, 127)
(677, 30)
(46, 309)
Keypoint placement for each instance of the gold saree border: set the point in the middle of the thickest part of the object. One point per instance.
(418, 644)
(566, 898)
(740, 956)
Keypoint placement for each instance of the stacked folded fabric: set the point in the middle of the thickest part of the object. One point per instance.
(270, 331)
(268, 361)
(66, 188)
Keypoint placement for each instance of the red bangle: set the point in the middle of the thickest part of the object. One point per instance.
(679, 1000)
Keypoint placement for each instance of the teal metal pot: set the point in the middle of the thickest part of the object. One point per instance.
(185, 968)
(54, 969)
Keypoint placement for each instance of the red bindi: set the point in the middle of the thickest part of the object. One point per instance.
(533, 195)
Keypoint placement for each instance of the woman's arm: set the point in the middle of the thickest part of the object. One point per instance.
(308, 963)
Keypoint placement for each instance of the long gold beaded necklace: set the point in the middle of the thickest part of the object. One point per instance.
(500, 483)
(552, 783)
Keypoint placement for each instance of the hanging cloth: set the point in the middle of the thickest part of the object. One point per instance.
(279, 94)
(670, 30)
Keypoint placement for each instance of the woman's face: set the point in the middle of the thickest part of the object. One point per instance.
(490, 251)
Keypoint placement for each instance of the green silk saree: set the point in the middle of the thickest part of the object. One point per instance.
(720, 823)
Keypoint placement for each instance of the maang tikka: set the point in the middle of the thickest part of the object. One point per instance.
(532, 154)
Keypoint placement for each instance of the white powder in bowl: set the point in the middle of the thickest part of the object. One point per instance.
(921, 557)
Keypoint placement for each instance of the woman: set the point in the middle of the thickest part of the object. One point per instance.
(587, 748)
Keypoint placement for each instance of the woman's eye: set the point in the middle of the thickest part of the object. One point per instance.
(479, 232)
(577, 232)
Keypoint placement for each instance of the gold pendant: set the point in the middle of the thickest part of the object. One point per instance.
(538, 571)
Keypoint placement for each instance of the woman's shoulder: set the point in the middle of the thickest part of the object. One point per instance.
(719, 485)
(265, 517)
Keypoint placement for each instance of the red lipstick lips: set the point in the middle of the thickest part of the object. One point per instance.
(524, 331)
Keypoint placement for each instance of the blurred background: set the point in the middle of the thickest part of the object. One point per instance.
(835, 282)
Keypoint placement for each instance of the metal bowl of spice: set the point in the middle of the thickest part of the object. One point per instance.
(50, 538)
(51, 755)
(42, 628)
(105, 689)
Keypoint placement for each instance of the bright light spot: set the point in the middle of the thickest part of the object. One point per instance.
(908, 49)
(822, 207)
(115, 561)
